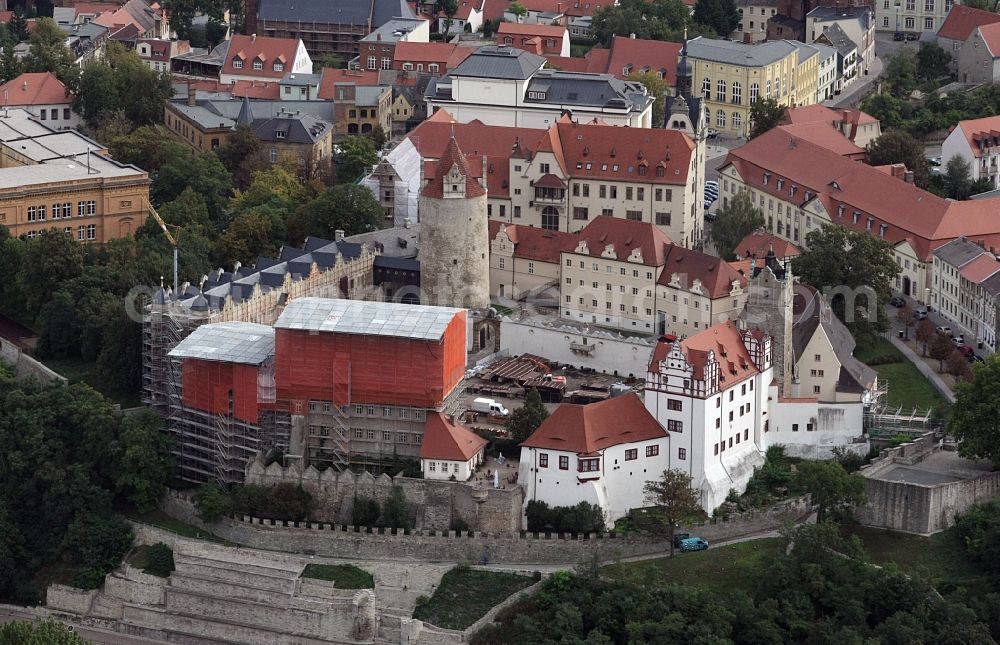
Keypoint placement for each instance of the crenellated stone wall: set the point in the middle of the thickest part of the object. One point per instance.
(436, 504)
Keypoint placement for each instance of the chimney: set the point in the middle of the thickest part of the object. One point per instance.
(908, 176)
(338, 235)
(253, 38)
(192, 97)
(632, 35)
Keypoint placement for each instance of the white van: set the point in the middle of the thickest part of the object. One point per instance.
(489, 406)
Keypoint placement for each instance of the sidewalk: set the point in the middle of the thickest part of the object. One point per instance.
(924, 368)
(856, 91)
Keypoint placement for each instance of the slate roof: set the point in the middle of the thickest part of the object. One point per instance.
(736, 53)
(839, 39)
(497, 61)
(959, 252)
(813, 314)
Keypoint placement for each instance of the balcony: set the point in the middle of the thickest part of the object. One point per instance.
(581, 348)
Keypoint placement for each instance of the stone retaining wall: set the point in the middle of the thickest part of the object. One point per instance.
(69, 599)
(25, 366)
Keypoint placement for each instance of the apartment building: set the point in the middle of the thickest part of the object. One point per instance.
(857, 23)
(966, 289)
(957, 28)
(44, 97)
(860, 128)
(911, 15)
(979, 58)
(536, 38)
(359, 109)
(156, 53)
(260, 58)
(732, 76)
(376, 51)
(800, 186)
(754, 15)
(501, 85)
(63, 180)
(433, 58)
(977, 141)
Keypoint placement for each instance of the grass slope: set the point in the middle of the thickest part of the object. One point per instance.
(345, 576)
(466, 595)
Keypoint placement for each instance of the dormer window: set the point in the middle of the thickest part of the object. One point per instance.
(626, 70)
(857, 216)
(781, 183)
(258, 64)
(279, 134)
(840, 211)
(237, 63)
(882, 228)
(540, 96)
(279, 67)
(767, 177)
(791, 191)
(508, 40)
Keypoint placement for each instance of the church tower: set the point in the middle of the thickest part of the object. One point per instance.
(454, 240)
(769, 307)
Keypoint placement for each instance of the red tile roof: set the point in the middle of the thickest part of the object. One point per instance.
(910, 214)
(452, 157)
(975, 129)
(267, 90)
(587, 429)
(715, 276)
(332, 76)
(962, 20)
(759, 243)
(567, 63)
(826, 136)
(533, 243)
(475, 137)
(981, 268)
(446, 55)
(445, 439)
(39, 88)
(545, 31)
(725, 340)
(625, 236)
(623, 154)
(991, 36)
(465, 9)
(643, 55)
(268, 50)
(567, 7)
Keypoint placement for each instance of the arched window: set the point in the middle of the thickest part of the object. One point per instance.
(720, 91)
(777, 88)
(737, 120)
(720, 119)
(550, 218)
(767, 90)
(706, 88)
(737, 92)
(754, 93)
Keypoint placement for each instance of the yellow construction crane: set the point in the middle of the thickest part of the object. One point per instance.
(170, 238)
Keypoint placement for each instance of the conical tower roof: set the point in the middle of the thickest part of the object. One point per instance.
(245, 116)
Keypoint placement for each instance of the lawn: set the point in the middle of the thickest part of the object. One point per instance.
(77, 370)
(345, 576)
(719, 568)
(941, 558)
(907, 386)
(159, 518)
(466, 595)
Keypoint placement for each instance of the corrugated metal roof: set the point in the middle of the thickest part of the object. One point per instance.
(419, 322)
(228, 342)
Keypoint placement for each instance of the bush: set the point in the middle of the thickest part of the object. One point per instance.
(979, 528)
(97, 545)
(396, 512)
(582, 518)
(281, 502)
(159, 560)
(212, 502)
(365, 511)
(458, 524)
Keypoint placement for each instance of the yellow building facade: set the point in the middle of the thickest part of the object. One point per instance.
(732, 76)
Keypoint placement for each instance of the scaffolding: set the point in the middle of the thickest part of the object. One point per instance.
(883, 421)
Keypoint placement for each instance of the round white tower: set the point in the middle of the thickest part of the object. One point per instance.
(454, 237)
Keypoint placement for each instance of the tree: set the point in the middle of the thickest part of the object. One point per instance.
(720, 15)
(211, 501)
(396, 511)
(329, 59)
(765, 115)
(52, 258)
(449, 8)
(38, 632)
(657, 89)
(18, 26)
(673, 501)
(96, 544)
(60, 334)
(10, 66)
(957, 364)
(901, 72)
(243, 155)
(897, 146)
(906, 317)
(858, 268)
(48, 53)
(159, 560)
(658, 20)
(932, 61)
(202, 173)
(941, 349)
(834, 491)
(517, 9)
(527, 418)
(925, 332)
(365, 511)
(378, 137)
(144, 460)
(346, 207)
(958, 178)
(736, 219)
(247, 238)
(121, 81)
(355, 157)
(975, 417)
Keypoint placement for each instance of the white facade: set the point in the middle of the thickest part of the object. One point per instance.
(444, 469)
(828, 78)
(911, 15)
(58, 116)
(984, 164)
(301, 64)
(617, 485)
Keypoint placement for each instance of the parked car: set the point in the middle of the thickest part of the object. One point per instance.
(967, 351)
(489, 406)
(709, 217)
(712, 133)
(943, 329)
(920, 313)
(911, 36)
(711, 183)
(934, 161)
(694, 544)
(976, 358)
(712, 190)
(899, 36)
(959, 340)
(680, 537)
(896, 301)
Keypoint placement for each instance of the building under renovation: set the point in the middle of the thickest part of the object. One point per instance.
(216, 445)
(334, 383)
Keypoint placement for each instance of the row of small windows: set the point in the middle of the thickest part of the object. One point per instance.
(83, 232)
(609, 269)
(62, 211)
(737, 91)
(259, 65)
(387, 435)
